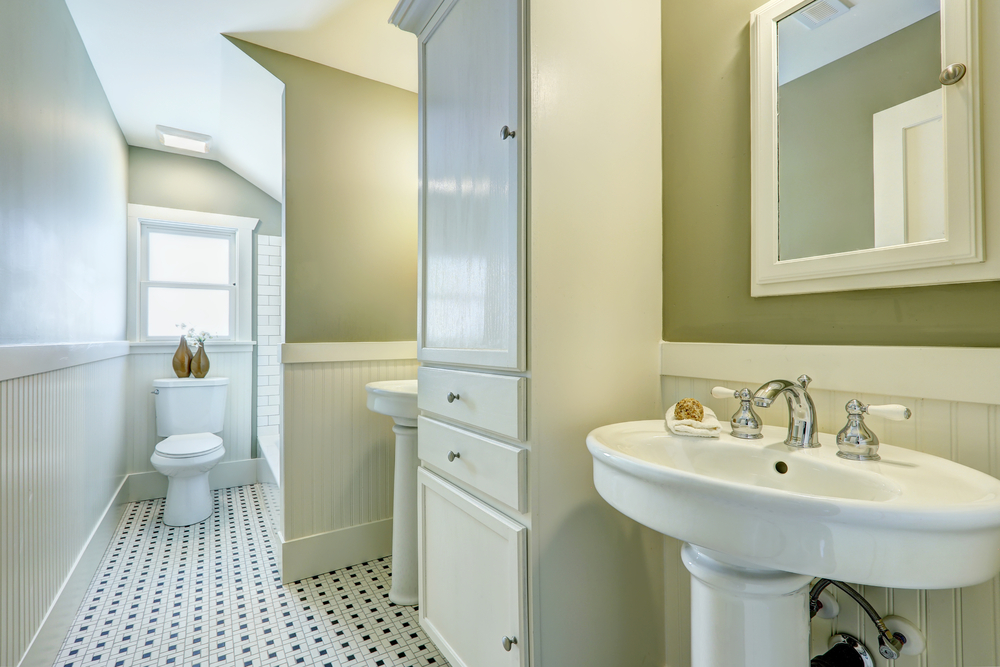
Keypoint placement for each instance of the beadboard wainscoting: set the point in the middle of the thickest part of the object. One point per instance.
(63, 463)
(150, 362)
(962, 626)
(337, 456)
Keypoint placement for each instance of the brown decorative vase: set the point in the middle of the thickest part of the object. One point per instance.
(199, 364)
(182, 359)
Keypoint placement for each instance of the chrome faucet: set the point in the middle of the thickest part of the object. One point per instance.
(801, 411)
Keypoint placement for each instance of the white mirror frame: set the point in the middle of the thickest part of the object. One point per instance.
(961, 257)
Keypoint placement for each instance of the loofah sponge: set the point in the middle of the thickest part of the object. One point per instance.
(689, 408)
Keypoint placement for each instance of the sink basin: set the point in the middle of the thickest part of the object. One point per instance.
(395, 398)
(911, 520)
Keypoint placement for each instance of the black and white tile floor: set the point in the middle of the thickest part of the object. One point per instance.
(210, 595)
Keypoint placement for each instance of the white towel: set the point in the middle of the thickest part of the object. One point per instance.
(708, 427)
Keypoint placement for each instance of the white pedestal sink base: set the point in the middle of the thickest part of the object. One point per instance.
(745, 616)
(404, 518)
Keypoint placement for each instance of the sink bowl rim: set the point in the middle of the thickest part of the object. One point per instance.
(959, 517)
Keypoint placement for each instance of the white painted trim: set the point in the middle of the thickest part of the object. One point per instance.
(149, 485)
(959, 258)
(312, 353)
(945, 373)
(244, 259)
(413, 15)
(23, 360)
(325, 552)
(220, 346)
(45, 645)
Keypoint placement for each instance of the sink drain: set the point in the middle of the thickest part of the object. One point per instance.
(781, 467)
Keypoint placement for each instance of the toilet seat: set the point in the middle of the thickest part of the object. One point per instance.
(188, 445)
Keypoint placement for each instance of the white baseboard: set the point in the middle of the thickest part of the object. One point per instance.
(963, 374)
(44, 648)
(325, 552)
(149, 485)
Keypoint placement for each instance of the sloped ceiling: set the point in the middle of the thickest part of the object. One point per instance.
(167, 63)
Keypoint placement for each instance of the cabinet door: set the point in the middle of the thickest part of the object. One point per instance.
(471, 237)
(472, 577)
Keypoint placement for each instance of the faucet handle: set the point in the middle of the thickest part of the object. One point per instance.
(745, 422)
(892, 411)
(804, 380)
(856, 441)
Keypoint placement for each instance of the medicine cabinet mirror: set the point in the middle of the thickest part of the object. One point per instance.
(865, 145)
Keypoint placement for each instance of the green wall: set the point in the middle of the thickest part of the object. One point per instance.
(350, 203)
(706, 207)
(63, 182)
(827, 187)
(159, 178)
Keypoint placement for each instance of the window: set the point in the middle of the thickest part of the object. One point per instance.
(191, 268)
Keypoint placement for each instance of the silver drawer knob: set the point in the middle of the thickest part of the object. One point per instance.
(453, 397)
(508, 642)
(506, 133)
(454, 455)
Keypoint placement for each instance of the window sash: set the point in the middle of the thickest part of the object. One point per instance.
(181, 229)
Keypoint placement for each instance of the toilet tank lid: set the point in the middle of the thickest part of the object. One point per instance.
(190, 382)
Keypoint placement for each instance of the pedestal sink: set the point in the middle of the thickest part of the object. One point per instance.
(761, 519)
(398, 399)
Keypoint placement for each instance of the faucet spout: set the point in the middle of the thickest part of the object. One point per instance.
(801, 410)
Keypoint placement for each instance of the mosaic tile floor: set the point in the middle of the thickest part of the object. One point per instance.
(210, 594)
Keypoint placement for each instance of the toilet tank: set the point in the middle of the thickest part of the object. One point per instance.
(190, 405)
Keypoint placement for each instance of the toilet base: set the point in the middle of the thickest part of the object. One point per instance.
(189, 500)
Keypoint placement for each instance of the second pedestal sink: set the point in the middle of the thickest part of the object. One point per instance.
(761, 519)
(398, 399)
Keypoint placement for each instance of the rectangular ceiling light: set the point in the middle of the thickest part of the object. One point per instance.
(188, 141)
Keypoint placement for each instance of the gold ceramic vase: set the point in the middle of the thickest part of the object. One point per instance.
(182, 359)
(199, 364)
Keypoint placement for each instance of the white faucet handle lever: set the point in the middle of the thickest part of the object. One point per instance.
(723, 392)
(893, 411)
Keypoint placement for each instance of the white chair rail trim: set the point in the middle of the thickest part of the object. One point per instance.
(965, 374)
(23, 360)
(311, 353)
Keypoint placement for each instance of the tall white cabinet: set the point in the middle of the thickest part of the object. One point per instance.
(539, 320)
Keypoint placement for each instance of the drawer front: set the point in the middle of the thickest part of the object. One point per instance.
(495, 468)
(483, 400)
(473, 577)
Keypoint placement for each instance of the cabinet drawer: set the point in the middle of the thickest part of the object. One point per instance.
(495, 468)
(490, 402)
(473, 577)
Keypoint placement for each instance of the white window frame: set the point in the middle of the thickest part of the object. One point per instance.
(143, 219)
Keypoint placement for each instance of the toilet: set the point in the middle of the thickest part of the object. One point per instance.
(189, 412)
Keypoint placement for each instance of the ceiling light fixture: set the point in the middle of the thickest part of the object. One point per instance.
(171, 137)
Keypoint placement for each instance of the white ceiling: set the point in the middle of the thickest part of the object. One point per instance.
(167, 63)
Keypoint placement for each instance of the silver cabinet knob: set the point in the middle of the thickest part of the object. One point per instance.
(454, 455)
(452, 397)
(508, 642)
(506, 133)
(952, 74)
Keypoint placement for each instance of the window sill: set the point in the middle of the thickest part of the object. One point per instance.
(161, 347)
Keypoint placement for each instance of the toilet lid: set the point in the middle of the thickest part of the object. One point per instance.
(188, 445)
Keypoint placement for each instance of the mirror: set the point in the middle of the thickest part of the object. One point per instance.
(853, 81)
(865, 167)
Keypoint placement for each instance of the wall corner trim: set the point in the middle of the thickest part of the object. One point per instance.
(942, 373)
(311, 353)
(23, 360)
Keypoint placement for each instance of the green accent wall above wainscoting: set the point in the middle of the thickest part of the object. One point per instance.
(706, 207)
(350, 203)
(159, 178)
